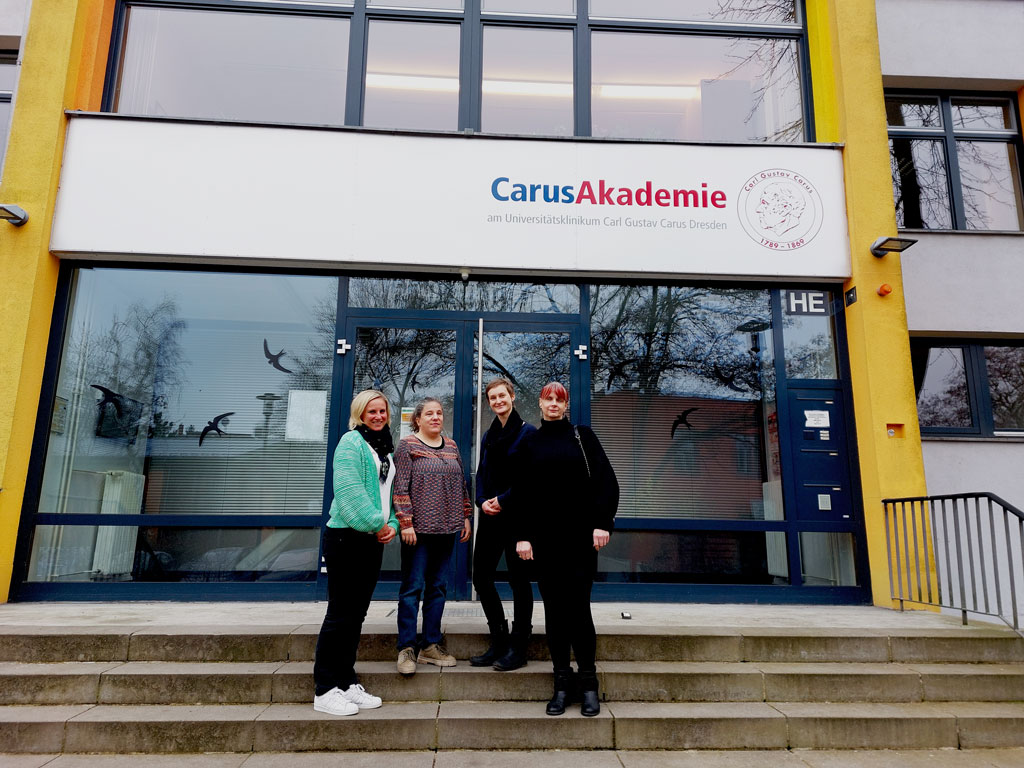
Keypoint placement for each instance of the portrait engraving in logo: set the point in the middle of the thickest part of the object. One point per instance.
(779, 209)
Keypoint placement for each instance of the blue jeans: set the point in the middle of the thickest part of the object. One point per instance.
(425, 571)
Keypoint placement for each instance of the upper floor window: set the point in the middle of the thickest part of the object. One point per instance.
(718, 70)
(969, 388)
(230, 65)
(955, 162)
(8, 76)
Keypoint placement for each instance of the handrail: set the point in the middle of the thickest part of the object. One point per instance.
(960, 551)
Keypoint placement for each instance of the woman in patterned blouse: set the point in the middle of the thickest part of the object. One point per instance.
(433, 508)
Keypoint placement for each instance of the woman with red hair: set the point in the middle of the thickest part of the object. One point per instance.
(564, 500)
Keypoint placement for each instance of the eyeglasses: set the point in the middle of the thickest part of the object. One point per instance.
(385, 468)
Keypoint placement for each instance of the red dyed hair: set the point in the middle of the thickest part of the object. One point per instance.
(554, 388)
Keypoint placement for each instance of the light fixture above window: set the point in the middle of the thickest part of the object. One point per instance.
(884, 245)
(16, 215)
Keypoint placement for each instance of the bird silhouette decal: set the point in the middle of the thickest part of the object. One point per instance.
(729, 379)
(109, 396)
(214, 425)
(274, 360)
(684, 419)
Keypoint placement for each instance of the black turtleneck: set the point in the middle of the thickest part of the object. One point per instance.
(499, 443)
(556, 501)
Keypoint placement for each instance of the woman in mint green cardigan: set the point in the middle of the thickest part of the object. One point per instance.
(362, 522)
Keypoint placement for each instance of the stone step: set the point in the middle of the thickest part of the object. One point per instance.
(799, 758)
(155, 682)
(473, 725)
(642, 643)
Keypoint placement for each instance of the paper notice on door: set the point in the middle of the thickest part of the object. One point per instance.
(816, 419)
(307, 416)
(824, 502)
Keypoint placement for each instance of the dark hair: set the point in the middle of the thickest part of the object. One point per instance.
(555, 388)
(418, 411)
(500, 382)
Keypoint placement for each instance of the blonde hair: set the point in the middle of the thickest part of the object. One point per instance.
(359, 403)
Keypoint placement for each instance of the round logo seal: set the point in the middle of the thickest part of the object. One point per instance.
(779, 209)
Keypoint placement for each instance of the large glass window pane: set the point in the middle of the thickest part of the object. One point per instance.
(191, 393)
(464, 295)
(437, 5)
(545, 7)
(827, 559)
(234, 66)
(683, 399)
(750, 11)
(990, 181)
(77, 553)
(527, 94)
(981, 114)
(942, 397)
(5, 121)
(686, 87)
(913, 112)
(694, 557)
(1005, 366)
(808, 335)
(920, 183)
(412, 76)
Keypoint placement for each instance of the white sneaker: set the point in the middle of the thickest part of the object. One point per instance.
(358, 696)
(334, 703)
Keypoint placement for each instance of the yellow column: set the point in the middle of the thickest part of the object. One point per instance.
(63, 63)
(849, 108)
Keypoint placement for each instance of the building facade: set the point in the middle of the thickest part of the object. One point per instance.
(243, 213)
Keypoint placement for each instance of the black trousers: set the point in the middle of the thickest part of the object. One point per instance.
(493, 539)
(353, 562)
(566, 580)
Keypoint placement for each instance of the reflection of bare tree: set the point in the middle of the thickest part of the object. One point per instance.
(942, 400)
(313, 367)
(756, 11)
(139, 357)
(1005, 366)
(387, 293)
(656, 339)
(405, 363)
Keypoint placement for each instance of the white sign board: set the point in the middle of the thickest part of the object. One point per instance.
(184, 190)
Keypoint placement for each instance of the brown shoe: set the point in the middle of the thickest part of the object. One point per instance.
(407, 661)
(437, 655)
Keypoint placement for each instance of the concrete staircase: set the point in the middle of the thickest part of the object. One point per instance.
(95, 689)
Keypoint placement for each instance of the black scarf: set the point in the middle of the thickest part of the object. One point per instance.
(498, 435)
(381, 441)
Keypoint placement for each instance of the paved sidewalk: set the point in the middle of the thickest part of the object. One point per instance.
(923, 758)
(607, 616)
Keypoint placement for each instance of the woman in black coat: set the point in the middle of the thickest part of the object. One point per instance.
(498, 450)
(565, 496)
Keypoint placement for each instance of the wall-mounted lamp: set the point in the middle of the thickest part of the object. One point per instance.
(884, 245)
(13, 213)
(464, 274)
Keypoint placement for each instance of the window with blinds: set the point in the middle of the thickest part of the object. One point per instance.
(200, 393)
(683, 399)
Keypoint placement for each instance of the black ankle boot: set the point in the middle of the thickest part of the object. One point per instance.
(517, 644)
(591, 704)
(560, 698)
(497, 649)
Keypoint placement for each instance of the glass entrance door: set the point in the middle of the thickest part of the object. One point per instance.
(409, 359)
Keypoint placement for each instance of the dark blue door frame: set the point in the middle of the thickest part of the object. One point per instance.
(461, 426)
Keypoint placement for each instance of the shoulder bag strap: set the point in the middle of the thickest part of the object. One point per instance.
(579, 440)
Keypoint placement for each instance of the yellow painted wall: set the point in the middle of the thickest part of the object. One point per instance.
(63, 61)
(849, 108)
